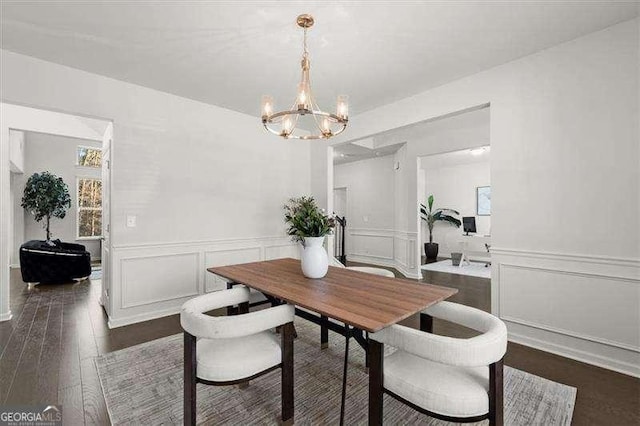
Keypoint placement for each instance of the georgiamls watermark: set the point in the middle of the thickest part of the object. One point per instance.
(31, 415)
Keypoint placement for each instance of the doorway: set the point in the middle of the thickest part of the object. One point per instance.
(383, 174)
(459, 183)
(76, 149)
(340, 213)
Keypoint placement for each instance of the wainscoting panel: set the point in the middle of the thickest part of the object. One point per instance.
(154, 280)
(282, 250)
(582, 307)
(590, 315)
(400, 251)
(226, 257)
(405, 253)
(384, 247)
(151, 279)
(370, 243)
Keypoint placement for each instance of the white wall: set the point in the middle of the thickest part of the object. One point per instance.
(56, 154)
(370, 207)
(16, 219)
(455, 187)
(403, 238)
(16, 167)
(16, 151)
(202, 180)
(564, 147)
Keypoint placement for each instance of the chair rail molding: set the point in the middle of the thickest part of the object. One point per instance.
(152, 280)
(585, 307)
(577, 257)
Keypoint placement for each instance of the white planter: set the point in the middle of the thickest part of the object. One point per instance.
(313, 257)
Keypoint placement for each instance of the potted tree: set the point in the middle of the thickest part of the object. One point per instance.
(431, 216)
(46, 196)
(308, 224)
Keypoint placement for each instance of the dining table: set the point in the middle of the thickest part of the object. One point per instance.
(358, 303)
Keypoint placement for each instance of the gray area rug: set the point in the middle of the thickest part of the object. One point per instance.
(143, 385)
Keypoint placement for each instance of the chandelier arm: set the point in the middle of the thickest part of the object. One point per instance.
(295, 124)
(314, 105)
(342, 129)
(315, 119)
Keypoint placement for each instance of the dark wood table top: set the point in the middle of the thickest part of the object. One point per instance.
(366, 301)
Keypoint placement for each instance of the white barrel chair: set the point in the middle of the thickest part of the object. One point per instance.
(368, 269)
(230, 350)
(447, 378)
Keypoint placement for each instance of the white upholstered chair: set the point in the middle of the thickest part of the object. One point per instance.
(368, 269)
(234, 349)
(447, 378)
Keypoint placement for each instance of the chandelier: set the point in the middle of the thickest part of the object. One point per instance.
(284, 123)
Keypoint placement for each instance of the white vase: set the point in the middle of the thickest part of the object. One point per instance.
(313, 257)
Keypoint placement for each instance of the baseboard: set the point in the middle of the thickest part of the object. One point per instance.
(133, 319)
(6, 316)
(628, 368)
(408, 273)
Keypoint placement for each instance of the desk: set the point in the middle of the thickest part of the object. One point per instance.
(364, 301)
(464, 241)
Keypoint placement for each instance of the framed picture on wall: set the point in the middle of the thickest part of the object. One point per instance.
(483, 200)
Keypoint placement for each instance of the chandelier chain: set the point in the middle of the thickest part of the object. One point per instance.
(305, 51)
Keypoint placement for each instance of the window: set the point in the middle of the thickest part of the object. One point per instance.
(89, 157)
(89, 208)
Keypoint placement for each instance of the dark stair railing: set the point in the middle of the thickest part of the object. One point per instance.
(339, 246)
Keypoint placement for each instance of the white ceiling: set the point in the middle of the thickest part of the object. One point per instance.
(456, 158)
(469, 129)
(231, 53)
(350, 152)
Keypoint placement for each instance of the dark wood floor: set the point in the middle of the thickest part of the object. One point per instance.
(57, 330)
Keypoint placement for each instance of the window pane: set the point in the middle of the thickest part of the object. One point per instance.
(90, 193)
(89, 157)
(90, 223)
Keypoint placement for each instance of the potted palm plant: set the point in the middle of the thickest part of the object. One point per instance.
(431, 216)
(308, 224)
(46, 196)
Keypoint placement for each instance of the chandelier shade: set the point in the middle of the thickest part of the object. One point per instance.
(285, 123)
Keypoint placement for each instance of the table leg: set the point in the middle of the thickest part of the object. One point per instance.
(347, 335)
(496, 398)
(324, 332)
(287, 380)
(366, 352)
(231, 310)
(426, 322)
(375, 382)
(189, 393)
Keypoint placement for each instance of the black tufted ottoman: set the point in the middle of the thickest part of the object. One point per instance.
(60, 263)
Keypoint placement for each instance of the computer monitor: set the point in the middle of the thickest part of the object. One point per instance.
(469, 224)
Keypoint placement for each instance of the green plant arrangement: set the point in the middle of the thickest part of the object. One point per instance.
(431, 216)
(46, 196)
(305, 219)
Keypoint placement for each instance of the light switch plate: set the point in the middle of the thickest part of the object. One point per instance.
(131, 221)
